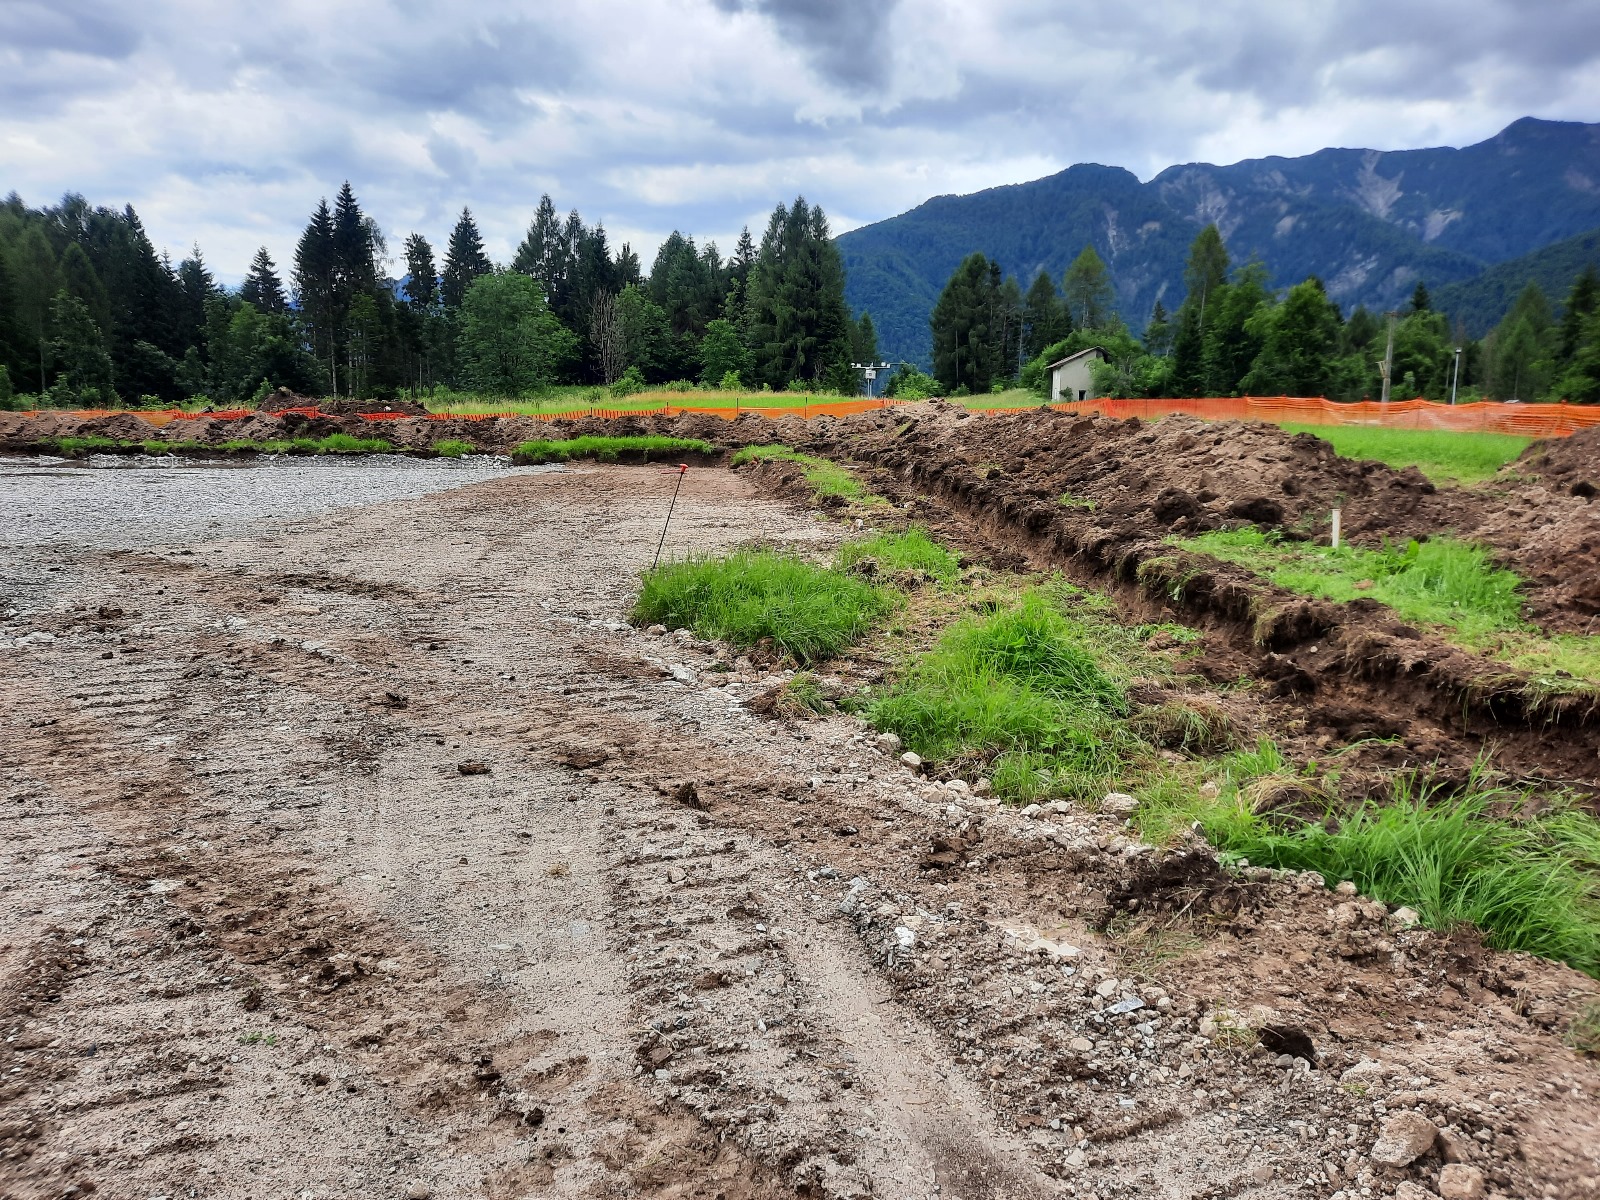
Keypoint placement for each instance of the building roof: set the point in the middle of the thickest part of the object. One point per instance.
(1075, 357)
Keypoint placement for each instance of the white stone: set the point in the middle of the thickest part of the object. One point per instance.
(911, 759)
(1404, 1138)
(1119, 804)
(1458, 1181)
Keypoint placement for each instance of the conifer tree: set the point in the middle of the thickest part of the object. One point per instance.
(464, 260)
(79, 351)
(798, 322)
(1206, 270)
(421, 288)
(37, 280)
(315, 280)
(1158, 333)
(1582, 300)
(261, 287)
(1420, 300)
(1044, 316)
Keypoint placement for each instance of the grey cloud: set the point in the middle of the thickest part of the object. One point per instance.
(67, 26)
(844, 39)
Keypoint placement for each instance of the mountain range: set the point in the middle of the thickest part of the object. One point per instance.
(1369, 223)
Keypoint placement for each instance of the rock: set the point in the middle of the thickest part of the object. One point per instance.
(418, 1190)
(890, 743)
(904, 938)
(912, 760)
(983, 787)
(1261, 1173)
(1460, 1182)
(1412, 1191)
(1081, 1044)
(1406, 917)
(1454, 1146)
(684, 675)
(1365, 1074)
(1346, 889)
(1106, 989)
(1032, 811)
(658, 630)
(1403, 1138)
(1119, 804)
(473, 768)
(676, 875)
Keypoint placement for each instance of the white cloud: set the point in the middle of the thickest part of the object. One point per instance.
(224, 125)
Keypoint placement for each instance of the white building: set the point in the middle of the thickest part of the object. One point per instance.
(1071, 379)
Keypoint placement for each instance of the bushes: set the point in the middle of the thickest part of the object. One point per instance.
(752, 597)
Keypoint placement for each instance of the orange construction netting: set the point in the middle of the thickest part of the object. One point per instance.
(1488, 416)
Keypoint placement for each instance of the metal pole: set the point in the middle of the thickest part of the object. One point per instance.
(683, 469)
(1455, 376)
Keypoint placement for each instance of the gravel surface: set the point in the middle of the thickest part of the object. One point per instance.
(374, 855)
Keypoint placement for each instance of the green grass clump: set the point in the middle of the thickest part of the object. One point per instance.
(344, 443)
(809, 613)
(69, 447)
(1028, 686)
(1441, 455)
(607, 449)
(912, 550)
(1449, 584)
(827, 479)
(452, 448)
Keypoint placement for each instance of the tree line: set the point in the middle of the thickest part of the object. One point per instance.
(91, 314)
(1235, 335)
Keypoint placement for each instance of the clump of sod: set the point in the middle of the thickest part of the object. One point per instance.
(827, 479)
(808, 612)
(913, 550)
(607, 449)
(452, 448)
(1021, 688)
(1443, 582)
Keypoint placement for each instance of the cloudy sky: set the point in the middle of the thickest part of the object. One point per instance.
(223, 122)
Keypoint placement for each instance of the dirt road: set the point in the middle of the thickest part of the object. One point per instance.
(374, 855)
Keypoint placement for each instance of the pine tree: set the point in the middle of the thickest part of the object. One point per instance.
(1158, 333)
(80, 280)
(1230, 341)
(37, 280)
(969, 344)
(353, 247)
(1420, 300)
(540, 254)
(464, 260)
(79, 351)
(262, 289)
(864, 341)
(421, 288)
(196, 288)
(315, 281)
(799, 327)
(1087, 289)
(1044, 316)
(1582, 300)
(1188, 376)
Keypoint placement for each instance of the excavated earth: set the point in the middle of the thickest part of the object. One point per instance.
(370, 852)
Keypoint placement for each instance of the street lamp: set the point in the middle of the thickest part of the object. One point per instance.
(1455, 376)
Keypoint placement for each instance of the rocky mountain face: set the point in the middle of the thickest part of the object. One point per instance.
(1369, 223)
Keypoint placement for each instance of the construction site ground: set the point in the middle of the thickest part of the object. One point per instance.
(370, 852)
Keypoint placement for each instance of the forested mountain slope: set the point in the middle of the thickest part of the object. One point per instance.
(1369, 223)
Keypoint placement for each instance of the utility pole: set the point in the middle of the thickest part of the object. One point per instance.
(1455, 376)
(1388, 358)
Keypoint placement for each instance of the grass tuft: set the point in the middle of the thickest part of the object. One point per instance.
(607, 449)
(453, 448)
(912, 550)
(751, 597)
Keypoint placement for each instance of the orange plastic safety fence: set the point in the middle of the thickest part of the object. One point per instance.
(1486, 416)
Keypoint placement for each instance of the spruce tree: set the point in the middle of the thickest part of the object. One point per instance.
(968, 346)
(262, 289)
(353, 248)
(78, 349)
(1044, 316)
(799, 327)
(421, 288)
(315, 281)
(37, 279)
(1158, 333)
(1420, 300)
(1582, 300)
(464, 260)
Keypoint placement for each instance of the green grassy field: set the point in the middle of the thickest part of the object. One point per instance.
(607, 449)
(1442, 456)
(825, 477)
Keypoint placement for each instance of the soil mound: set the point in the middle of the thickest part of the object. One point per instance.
(1568, 465)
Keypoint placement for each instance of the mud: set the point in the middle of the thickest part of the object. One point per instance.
(373, 854)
